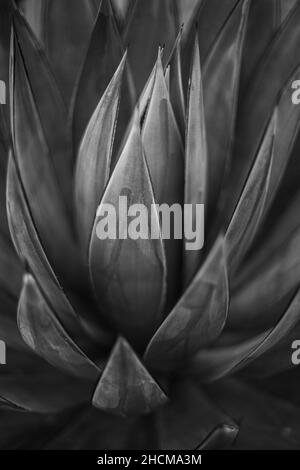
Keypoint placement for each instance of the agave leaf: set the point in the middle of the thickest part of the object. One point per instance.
(140, 107)
(129, 275)
(54, 344)
(246, 217)
(269, 80)
(287, 128)
(61, 28)
(94, 158)
(50, 107)
(197, 319)
(30, 249)
(164, 153)
(30, 384)
(195, 155)
(28, 245)
(162, 142)
(38, 176)
(270, 285)
(126, 387)
(217, 362)
(222, 66)
(284, 226)
(266, 422)
(101, 61)
(223, 437)
(188, 418)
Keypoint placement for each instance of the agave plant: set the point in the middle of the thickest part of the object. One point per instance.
(115, 344)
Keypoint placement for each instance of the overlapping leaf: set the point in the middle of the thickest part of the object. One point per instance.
(221, 75)
(164, 154)
(196, 158)
(281, 231)
(251, 205)
(29, 247)
(215, 363)
(50, 107)
(268, 81)
(128, 274)
(41, 184)
(43, 332)
(197, 319)
(60, 27)
(269, 287)
(100, 63)
(93, 165)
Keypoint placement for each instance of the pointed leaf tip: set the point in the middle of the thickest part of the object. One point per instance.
(195, 155)
(94, 158)
(165, 158)
(101, 61)
(43, 332)
(128, 272)
(126, 387)
(199, 316)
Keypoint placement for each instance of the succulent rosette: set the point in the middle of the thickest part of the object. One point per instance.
(143, 344)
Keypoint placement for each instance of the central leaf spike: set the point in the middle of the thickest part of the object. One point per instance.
(126, 387)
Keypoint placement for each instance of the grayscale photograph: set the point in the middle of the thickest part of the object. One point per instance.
(149, 229)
